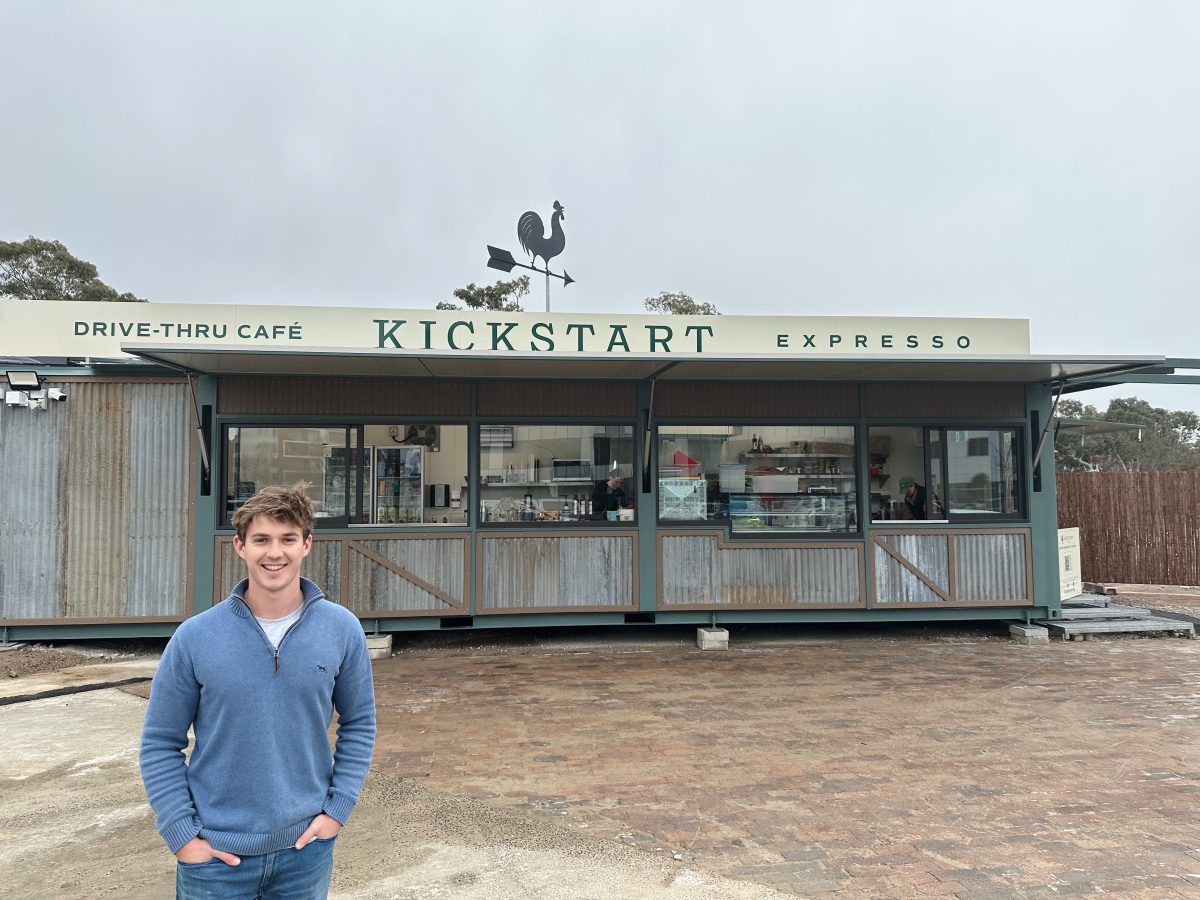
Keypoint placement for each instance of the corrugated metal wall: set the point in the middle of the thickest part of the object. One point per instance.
(698, 571)
(373, 588)
(969, 567)
(31, 521)
(436, 561)
(991, 567)
(96, 504)
(930, 553)
(535, 573)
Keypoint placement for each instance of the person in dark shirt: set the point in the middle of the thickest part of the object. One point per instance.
(913, 503)
(609, 496)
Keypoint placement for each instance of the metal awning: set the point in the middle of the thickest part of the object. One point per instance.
(404, 363)
(1088, 427)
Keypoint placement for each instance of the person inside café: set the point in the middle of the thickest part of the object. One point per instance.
(609, 496)
(912, 503)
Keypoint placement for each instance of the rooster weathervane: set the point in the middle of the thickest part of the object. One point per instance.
(534, 241)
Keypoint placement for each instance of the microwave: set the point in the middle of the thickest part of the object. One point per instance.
(571, 470)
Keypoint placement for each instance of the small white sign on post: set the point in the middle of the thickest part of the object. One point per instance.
(1070, 582)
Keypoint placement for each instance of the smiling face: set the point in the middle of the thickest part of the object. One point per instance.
(273, 550)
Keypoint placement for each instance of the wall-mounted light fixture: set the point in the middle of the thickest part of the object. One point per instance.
(27, 390)
(24, 380)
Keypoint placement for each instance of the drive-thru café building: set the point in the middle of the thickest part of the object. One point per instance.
(491, 469)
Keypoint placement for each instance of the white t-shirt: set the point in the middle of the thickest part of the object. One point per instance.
(275, 629)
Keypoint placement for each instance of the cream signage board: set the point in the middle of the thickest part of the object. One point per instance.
(1070, 581)
(98, 330)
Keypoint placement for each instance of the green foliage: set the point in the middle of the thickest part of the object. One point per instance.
(34, 269)
(678, 304)
(1170, 439)
(503, 296)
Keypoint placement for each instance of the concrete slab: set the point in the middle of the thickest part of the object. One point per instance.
(379, 646)
(1112, 611)
(76, 825)
(712, 638)
(1029, 634)
(76, 678)
(1141, 625)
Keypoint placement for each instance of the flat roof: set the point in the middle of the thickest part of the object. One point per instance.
(339, 361)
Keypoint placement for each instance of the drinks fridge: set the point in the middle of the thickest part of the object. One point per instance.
(399, 485)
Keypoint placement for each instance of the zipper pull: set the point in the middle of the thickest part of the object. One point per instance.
(276, 660)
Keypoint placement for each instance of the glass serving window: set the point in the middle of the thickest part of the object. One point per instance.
(981, 472)
(944, 473)
(549, 474)
(325, 458)
(900, 487)
(762, 478)
(396, 473)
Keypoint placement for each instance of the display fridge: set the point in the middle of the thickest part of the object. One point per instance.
(399, 485)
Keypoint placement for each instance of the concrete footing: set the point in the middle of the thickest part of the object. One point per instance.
(379, 646)
(1029, 634)
(712, 638)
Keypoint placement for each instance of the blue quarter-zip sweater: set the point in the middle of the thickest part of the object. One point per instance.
(261, 769)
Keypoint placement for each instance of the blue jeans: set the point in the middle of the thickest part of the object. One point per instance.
(287, 874)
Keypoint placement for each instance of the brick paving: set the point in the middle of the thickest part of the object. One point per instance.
(847, 768)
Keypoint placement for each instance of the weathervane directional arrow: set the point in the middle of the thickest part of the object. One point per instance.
(504, 261)
(535, 242)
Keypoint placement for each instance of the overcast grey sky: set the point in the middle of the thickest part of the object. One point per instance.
(1028, 159)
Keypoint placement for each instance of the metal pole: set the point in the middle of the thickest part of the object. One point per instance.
(547, 288)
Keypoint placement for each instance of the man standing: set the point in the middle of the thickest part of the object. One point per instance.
(254, 812)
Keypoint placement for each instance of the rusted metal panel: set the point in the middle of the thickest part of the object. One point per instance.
(755, 399)
(791, 576)
(691, 570)
(323, 565)
(100, 521)
(701, 570)
(557, 572)
(32, 452)
(158, 507)
(425, 574)
(557, 398)
(265, 395)
(928, 554)
(96, 498)
(932, 399)
(230, 569)
(435, 567)
(991, 567)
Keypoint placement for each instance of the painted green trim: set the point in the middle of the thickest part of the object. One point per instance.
(1043, 505)
(851, 616)
(647, 504)
(88, 632)
(205, 509)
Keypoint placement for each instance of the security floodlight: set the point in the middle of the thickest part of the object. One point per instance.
(24, 380)
(16, 398)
